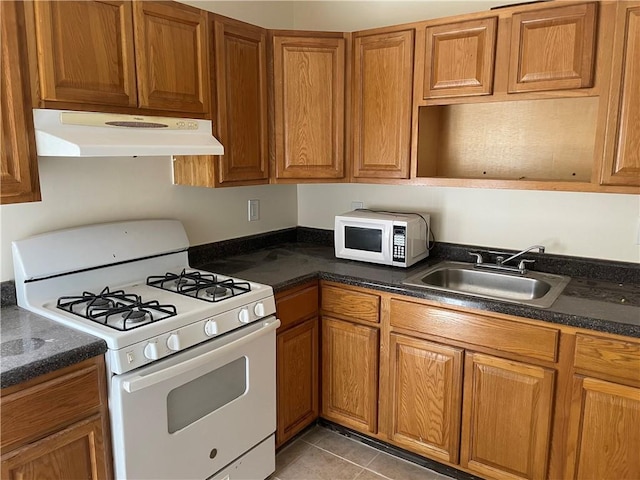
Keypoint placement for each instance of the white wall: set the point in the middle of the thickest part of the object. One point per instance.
(78, 191)
(580, 224)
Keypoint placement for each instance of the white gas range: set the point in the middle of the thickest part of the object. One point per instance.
(191, 354)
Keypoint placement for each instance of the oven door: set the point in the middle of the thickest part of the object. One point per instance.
(191, 414)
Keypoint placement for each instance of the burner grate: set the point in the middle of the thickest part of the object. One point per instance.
(117, 309)
(203, 286)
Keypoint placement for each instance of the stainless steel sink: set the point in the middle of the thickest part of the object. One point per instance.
(532, 288)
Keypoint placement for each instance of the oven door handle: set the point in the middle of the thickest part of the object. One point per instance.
(139, 382)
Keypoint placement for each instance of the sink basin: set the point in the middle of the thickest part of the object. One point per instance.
(533, 288)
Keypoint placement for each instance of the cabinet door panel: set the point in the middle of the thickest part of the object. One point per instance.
(459, 58)
(241, 82)
(18, 159)
(604, 438)
(85, 52)
(622, 167)
(171, 57)
(309, 90)
(506, 418)
(76, 452)
(553, 49)
(426, 381)
(297, 359)
(350, 374)
(383, 82)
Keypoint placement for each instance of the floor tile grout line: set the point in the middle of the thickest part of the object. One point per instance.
(352, 462)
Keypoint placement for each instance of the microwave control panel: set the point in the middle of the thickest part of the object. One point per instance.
(399, 243)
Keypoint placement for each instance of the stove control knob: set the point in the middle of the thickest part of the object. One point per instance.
(258, 309)
(173, 342)
(151, 351)
(211, 328)
(243, 315)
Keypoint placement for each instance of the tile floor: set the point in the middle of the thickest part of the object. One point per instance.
(322, 454)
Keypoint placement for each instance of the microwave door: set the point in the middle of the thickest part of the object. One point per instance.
(367, 242)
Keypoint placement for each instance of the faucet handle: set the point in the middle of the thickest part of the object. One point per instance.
(522, 266)
(478, 255)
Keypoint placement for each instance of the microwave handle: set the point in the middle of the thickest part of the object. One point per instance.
(139, 382)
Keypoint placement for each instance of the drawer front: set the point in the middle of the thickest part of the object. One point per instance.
(351, 304)
(296, 306)
(608, 357)
(521, 339)
(46, 407)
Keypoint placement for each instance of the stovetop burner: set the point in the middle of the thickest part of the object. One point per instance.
(203, 286)
(117, 309)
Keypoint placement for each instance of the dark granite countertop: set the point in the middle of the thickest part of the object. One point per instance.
(32, 345)
(592, 303)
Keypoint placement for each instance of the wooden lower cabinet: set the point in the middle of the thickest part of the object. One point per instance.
(56, 426)
(74, 453)
(426, 383)
(604, 432)
(506, 417)
(297, 361)
(350, 374)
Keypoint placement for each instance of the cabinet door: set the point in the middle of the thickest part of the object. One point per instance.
(382, 102)
(171, 57)
(85, 52)
(76, 452)
(506, 418)
(604, 433)
(426, 381)
(297, 367)
(622, 163)
(241, 83)
(553, 48)
(18, 159)
(459, 58)
(350, 374)
(309, 91)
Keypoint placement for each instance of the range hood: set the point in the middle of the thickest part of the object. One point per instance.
(88, 134)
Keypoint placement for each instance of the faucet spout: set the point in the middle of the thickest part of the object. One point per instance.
(540, 249)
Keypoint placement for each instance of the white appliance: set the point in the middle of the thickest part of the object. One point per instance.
(88, 134)
(388, 238)
(191, 354)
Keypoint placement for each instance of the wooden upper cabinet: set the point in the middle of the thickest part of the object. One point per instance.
(382, 103)
(459, 58)
(622, 157)
(18, 159)
(241, 85)
(171, 56)
(506, 418)
(309, 97)
(85, 52)
(553, 48)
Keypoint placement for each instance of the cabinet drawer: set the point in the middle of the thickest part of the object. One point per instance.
(505, 335)
(351, 304)
(297, 305)
(39, 410)
(608, 357)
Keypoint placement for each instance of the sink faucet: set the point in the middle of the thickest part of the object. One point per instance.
(501, 260)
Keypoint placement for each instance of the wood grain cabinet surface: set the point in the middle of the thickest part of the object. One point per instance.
(309, 104)
(297, 360)
(622, 157)
(18, 160)
(459, 58)
(121, 55)
(382, 104)
(553, 48)
(56, 425)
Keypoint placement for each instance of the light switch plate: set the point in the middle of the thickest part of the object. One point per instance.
(254, 210)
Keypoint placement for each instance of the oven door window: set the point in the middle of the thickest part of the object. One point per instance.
(363, 239)
(206, 394)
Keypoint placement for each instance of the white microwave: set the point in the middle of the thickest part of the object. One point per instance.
(398, 239)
